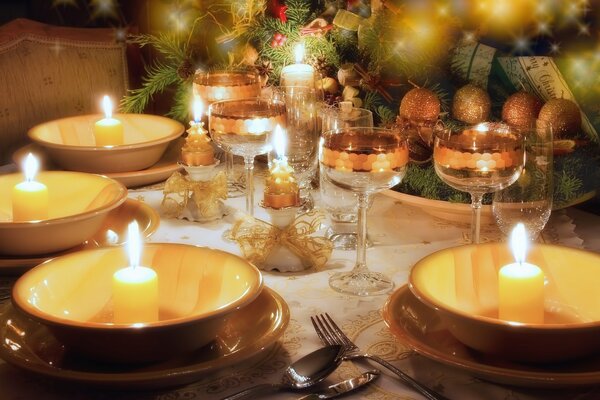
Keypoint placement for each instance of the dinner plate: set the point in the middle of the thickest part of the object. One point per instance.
(158, 172)
(419, 326)
(117, 222)
(249, 331)
(454, 212)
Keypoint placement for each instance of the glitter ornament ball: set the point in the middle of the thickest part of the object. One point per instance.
(563, 115)
(471, 104)
(521, 109)
(420, 105)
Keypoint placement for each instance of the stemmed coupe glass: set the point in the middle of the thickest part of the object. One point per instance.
(244, 128)
(219, 85)
(481, 159)
(364, 160)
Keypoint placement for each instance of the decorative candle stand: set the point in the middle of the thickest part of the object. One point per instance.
(285, 244)
(202, 184)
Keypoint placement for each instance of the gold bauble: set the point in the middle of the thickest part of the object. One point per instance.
(420, 105)
(521, 109)
(250, 55)
(471, 104)
(563, 116)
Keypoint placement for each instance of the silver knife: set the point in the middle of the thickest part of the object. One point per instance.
(346, 386)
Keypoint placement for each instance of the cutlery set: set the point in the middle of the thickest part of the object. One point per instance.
(314, 367)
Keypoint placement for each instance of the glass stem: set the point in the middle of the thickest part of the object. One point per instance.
(229, 167)
(476, 199)
(249, 166)
(361, 234)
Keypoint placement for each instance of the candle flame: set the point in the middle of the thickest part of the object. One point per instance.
(107, 106)
(134, 244)
(31, 167)
(197, 109)
(279, 142)
(299, 52)
(518, 243)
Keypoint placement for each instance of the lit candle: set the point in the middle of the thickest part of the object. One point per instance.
(281, 188)
(197, 149)
(521, 285)
(298, 74)
(30, 198)
(135, 288)
(108, 131)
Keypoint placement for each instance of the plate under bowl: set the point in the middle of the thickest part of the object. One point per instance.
(461, 283)
(71, 145)
(78, 205)
(198, 288)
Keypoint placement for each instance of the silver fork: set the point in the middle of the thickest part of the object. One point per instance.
(330, 333)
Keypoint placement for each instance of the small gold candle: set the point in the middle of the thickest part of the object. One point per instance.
(197, 149)
(281, 188)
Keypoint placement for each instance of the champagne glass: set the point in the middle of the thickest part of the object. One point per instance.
(243, 127)
(341, 205)
(219, 85)
(481, 159)
(364, 160)
(529, 199)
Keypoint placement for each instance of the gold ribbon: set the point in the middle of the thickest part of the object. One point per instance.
(258, 238)
(205, 193)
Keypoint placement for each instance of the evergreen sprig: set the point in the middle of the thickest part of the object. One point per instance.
(157, 79)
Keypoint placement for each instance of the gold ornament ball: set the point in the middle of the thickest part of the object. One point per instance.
(563, 116)
(471, 104)
(420, 105)
(521, 109)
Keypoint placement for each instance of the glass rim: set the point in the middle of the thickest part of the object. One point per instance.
(199, 76)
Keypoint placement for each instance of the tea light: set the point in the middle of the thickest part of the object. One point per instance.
(298, 74)
(521, 285)
(197, 149)
(30, 198)
(108, 131)
(281, 188)
(135, 288)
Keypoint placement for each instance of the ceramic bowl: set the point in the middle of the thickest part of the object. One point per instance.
(461, 283)
(78, 205)
(71, 145)
(198, 289)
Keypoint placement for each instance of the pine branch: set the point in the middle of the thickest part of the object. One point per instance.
(158, 78)
(169, 45)
(181, 103)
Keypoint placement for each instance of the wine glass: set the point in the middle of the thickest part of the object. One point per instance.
(529, 199)
(364, 160)
(341, 205)
(219, 85)
(478, 160)
(243, 127)
(302, 106)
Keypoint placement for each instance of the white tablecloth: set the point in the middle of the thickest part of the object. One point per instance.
(401, 235)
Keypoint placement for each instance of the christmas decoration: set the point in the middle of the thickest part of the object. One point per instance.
(278, 40)
(420, 105)
(278, 10)
(521, 109)
(563, 116)
(471, 104)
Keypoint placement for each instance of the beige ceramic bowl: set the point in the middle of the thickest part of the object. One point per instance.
(70, 142)
(78, 205)
(198, 288)
(461, 283)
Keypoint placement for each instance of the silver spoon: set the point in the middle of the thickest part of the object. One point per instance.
(307, 371)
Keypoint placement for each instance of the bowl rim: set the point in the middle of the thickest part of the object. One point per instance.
(75, 217)
(177, 130)
(52, 320)
(446, 309)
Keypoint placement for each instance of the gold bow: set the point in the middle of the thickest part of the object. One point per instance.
(257, 239)
(206, 193)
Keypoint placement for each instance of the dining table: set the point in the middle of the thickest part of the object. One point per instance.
(400, 235)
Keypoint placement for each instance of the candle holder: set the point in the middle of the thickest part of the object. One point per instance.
(196, 196)
(286, 244)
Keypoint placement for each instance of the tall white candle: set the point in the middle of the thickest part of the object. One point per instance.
(298, 74)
